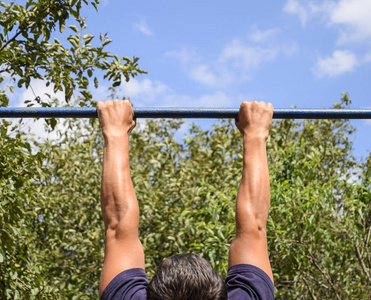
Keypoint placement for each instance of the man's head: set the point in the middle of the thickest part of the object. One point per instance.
(186, 277)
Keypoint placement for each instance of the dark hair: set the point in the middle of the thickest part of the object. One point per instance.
(186, 277)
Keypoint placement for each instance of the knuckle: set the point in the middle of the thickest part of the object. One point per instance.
(127, 103)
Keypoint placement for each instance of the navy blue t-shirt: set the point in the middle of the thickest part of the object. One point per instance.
(243, 282)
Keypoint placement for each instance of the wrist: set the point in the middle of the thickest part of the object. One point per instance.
(255, 137)
(114, 137)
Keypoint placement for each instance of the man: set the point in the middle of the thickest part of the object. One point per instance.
(185, 276)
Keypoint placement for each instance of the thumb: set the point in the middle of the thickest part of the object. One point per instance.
(133, 124)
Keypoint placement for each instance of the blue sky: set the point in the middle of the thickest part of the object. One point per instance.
(220, 53)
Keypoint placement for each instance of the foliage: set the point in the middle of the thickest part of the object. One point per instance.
(34, 45)
(51, 228)
(318, 230)
(21, 178)
(320, 215)
(31, 48)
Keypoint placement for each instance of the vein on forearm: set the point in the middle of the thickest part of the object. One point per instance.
(254, 192)
(118, 200)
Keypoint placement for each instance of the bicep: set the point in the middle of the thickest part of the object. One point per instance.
(120, 254)
(251, 248)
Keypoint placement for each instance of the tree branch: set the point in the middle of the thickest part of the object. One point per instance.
(310, 291)
(316, 280)
(11, 40)
(5, 70)
(40, 15)
(368, 237)
(362, 262)
(366, 246)
(325, 275)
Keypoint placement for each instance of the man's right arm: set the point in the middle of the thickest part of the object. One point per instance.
(253, 199)
(120, 210)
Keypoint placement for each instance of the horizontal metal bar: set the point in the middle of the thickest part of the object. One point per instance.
(181, 112)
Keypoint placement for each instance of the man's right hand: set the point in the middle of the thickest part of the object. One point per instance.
(254, 119)
(116, 117)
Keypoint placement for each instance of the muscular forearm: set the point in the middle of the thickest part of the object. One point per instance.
(250, 245)
(254, 193)
(123, 249)
(118, 201)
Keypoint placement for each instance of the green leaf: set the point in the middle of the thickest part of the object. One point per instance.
(61, 26)
(87, 38)
(73, 28)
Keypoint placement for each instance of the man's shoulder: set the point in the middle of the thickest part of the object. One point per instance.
(248, 282)
(129, 284)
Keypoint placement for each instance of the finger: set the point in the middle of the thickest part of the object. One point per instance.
(270, 106)
(239, 112)
(134, 123)
(100, 107)
(108, 104)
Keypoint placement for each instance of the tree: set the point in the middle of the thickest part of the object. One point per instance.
(30, 49)
(51, 229)
(35, 45)
(20, 179)
(319, 225)
(320, 212)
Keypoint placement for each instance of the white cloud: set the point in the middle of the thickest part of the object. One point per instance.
(247, 57)
(236, 62)
(142, 27)
(204, 75)
(351, 17)
(259, 36)
(352, 20)
(145, 91)
(296, 8)
(355, 18)
(186, 55)
(306, 10)
(340, 62)
(216, 99)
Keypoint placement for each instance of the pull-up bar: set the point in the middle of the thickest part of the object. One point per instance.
(181, 112)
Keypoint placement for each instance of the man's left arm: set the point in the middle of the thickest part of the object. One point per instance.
(123, 249)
